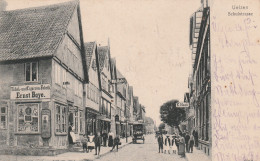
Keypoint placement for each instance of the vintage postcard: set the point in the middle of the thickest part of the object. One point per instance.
(132, 80)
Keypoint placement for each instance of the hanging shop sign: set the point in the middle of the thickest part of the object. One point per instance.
(41, 91)
(118, 80)
(182, 104)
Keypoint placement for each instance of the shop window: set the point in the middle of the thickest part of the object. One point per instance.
(76, 114)
(60, 124)
(28, 118)
(3, 120)
(31, 72)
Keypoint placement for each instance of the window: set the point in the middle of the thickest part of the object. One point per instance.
(80, 89)
(76, 114)
(76, 86)
(60, 119)
(28, 118)
(109, 110)
(31, 72)
(60, 74)
(3, 115)
(81, 122)
(64, 76)
(88, 91)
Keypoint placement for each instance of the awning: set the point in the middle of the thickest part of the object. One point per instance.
(106, 119)
(88, 109)
(103, 118)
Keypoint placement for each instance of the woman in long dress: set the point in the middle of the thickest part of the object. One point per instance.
(173, 145)
(167, 144)
(91, 143)
(69, 134)
(182, 146)
(110, 139)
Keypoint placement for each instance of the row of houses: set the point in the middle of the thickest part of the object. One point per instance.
(51, 79)
(199, 96)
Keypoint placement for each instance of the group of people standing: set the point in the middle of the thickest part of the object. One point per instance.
(177, 143)
(90, 142)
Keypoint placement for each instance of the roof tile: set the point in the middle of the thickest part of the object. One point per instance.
(33, 32)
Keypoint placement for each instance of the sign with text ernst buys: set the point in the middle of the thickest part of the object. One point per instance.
(41, 91)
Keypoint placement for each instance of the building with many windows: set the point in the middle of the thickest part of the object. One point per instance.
(104, 62)
(92, 88)
(42, 64)
(199, 81)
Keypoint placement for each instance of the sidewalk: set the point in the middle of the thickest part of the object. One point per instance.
(197, 155)
(72, 156)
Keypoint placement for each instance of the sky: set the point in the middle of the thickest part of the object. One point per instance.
(148, 38)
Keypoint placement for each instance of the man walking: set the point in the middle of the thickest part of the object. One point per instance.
(116, 142)
(160, 143)
(98, 141)
(105, 136)
(187, 139)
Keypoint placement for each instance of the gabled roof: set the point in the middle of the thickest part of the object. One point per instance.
(102, 55)
(89, 48)
(119, 75)
(34, 32)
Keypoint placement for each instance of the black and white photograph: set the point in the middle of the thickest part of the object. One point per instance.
(114, 80)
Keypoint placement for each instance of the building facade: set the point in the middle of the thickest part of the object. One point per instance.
(199, 81)
(105, 77)
(92, 89)
(43, 71)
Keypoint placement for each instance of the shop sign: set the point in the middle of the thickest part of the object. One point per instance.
(118, 81)
(41, 91)
(182, 104)
(72, 109)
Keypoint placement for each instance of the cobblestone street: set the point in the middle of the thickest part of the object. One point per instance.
(141, 152)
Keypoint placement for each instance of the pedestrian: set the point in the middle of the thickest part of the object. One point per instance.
(167, 144)
(177, 141)
(181, 150)
(187, 138)
(173, 146)
(84, 143)
(70, 133)
(196, 138)
(110, 139)
(104, 136)
(91, 143)
(116, 143)
(160, 143)
(191, 143)
(98, 142)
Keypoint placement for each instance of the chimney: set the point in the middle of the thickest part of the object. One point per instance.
(3, 5)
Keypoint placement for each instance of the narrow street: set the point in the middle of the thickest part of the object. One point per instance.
(141, 152)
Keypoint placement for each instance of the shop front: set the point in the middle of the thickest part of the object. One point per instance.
(91, 121)
(104, 124)
(29, 115)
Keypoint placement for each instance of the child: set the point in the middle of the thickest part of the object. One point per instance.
(84, 143)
